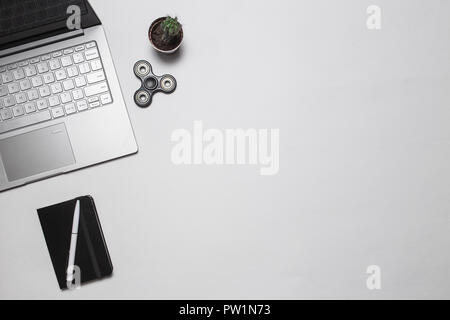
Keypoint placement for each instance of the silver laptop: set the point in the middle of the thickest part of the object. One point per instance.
(61, 107)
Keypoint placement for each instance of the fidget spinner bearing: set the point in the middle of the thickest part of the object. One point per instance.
(151, 83)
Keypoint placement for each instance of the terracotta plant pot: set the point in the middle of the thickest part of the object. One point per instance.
(152, 36)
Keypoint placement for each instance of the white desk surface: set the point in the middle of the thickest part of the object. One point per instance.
(365, 158)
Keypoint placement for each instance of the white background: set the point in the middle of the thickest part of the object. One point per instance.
(365, 152)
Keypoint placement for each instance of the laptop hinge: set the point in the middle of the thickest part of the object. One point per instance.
(41, 43)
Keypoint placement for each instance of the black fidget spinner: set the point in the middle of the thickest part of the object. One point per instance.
(151, 83)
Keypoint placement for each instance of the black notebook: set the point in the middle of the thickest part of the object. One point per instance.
(75, 242)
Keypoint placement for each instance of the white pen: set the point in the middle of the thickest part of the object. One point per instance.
(73, 242)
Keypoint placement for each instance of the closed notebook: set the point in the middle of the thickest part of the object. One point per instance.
(78, 235)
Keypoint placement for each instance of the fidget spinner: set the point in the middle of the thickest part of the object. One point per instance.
(151, 83)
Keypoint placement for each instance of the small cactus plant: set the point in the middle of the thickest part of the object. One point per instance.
(166, 34)
(171, 29)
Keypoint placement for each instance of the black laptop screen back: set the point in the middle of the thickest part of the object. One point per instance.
(21, 15)
(24, 20)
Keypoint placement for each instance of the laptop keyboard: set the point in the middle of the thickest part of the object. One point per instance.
(51, 86)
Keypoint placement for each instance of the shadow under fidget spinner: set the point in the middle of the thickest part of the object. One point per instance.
(151, 83)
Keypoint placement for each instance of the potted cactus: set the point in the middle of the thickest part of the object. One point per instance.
(166, 34)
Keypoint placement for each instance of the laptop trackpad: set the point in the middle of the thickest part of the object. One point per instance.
(36, 152)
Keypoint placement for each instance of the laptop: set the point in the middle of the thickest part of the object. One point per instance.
(61, 106)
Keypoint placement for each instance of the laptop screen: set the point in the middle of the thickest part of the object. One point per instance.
(25, 19)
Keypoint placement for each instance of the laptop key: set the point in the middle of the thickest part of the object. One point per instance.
(84, 68)
(82, 105)
(56, 88)
(57, 112)
(19, 74)
(48, 78)
(77, 94)
(72, 71)
(78, 57)
(30, 107)
(91, 54)
(18, 111)
(68, 85)
(95, 77)
(21, 97)
(42, 67)
(54, 64)
(7, 77)
(3, 91)
(66, 61)
(37, 81)
(70, 108)
(96, 65)
(30, 71)
(53, 101)
(44, 91)
(42, 104)
(60, 75)
(33, 95)
(9, 101)
(13, 87)
(80, 81)
(96, 89)
(25, 85)
(6, 114)
(65, 97)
